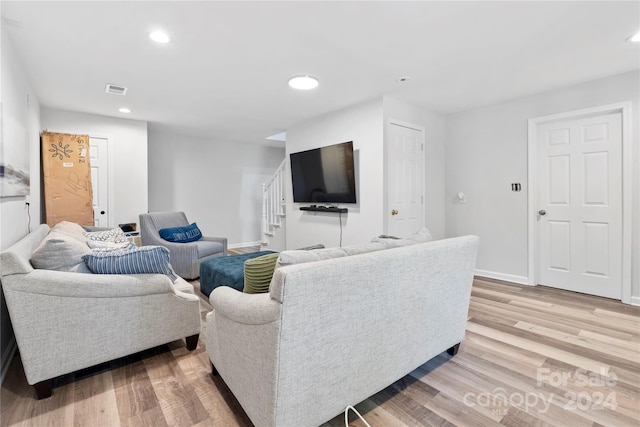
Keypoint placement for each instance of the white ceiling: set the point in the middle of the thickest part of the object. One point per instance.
(224, 74)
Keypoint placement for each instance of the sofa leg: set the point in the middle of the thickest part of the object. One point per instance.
(453, 350)
(44, 389)
(214, 371)
(192, 342)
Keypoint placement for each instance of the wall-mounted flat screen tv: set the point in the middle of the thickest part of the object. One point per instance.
(324, 175)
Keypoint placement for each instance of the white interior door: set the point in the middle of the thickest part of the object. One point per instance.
(99, 154)
(580, 205)
(405, 180)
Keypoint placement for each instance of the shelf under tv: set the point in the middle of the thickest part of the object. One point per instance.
(331, 209)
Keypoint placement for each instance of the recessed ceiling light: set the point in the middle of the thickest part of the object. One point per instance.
(303, 82)
(405, 79)
(634, 38)
(159, 37)
(124, 110)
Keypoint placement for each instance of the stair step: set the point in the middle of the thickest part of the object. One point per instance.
(275, 224)
(281, 215)
(269, 233)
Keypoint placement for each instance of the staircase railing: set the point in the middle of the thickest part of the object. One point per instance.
(273, 204)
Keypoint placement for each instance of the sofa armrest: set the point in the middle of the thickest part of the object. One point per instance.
(84, 285)
(172, 246)
(247, 309)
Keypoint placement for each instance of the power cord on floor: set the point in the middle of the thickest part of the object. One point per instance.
(346, 416)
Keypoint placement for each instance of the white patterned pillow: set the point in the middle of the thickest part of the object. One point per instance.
(143, 260)
(113, 239)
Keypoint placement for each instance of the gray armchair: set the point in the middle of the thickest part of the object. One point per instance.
(185, 257)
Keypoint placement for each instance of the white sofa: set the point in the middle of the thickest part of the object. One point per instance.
(333, 332)
(66, 321)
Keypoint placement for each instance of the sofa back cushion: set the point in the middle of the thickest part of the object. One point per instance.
(71, 229)
(421, 236)
(379, 243)
(61, 251)
(299, 256)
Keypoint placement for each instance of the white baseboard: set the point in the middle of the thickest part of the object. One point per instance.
(521, 280)
(244, 245)
(7, 357)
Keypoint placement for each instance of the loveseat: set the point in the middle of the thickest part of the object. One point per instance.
(65, 321)
(338, 325)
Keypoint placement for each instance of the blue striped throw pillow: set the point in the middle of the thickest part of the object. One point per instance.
(143, 260)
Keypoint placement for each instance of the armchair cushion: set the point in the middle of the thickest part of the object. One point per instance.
(190, 233)
(208, 247)
(144, 260)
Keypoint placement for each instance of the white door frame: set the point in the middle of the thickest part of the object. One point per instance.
(110, 175)
(385, 204)
(624, 108)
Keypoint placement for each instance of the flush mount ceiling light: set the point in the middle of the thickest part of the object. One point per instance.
(303, 82)
(159, 36)
(634, 38)
(124, 110)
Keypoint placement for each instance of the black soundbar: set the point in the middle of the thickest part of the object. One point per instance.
(324, 209)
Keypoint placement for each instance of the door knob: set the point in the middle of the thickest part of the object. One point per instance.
(542, 212)
(102, 212)
(394, 212)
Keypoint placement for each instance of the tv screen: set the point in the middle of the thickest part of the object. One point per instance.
(324, 175)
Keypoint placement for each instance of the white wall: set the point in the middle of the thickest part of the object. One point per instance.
(128, 157)
(217, 184)
(362, 124)
(486, 151)
(434, 152)
(14, 90)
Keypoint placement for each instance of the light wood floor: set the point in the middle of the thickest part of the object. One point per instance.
(532, 356)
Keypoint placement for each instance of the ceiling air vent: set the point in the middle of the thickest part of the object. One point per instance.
(115, 89)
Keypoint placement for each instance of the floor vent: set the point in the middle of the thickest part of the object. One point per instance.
(115, 89)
